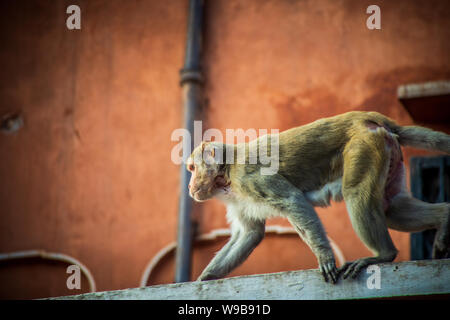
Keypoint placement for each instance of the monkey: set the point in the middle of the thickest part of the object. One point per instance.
(354, 157)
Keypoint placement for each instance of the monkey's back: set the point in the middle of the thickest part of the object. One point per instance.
(312, 155)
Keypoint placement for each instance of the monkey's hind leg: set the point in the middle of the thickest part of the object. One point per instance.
(441, 246)
(408, 214)
(366, 166)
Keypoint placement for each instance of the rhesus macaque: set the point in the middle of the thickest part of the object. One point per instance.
(354, 157)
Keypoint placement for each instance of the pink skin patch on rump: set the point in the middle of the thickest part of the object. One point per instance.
(396, 169)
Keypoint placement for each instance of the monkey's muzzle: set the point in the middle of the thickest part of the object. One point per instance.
(199, 195)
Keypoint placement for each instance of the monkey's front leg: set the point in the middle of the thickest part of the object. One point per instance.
(235, 251)
(210, 272)
(307, 224)
(291, 202)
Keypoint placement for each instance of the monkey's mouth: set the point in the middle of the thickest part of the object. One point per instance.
(197, 196)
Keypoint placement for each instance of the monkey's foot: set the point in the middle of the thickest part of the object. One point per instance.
(329, 271)
(441, 246)
(353, 268)
(440, 251)
(205, 276)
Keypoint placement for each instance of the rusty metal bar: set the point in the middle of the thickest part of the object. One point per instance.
(191, 83)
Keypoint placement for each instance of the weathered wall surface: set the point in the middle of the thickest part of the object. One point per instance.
(90, 174)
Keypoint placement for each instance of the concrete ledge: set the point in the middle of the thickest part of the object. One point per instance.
(396, 279)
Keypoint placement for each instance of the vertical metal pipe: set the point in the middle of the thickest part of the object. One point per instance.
(191, 82)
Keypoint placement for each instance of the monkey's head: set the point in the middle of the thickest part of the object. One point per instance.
(208, 176)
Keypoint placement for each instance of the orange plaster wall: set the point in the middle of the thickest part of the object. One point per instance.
(89, 174)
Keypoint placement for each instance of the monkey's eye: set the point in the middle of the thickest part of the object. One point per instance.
(191, 167)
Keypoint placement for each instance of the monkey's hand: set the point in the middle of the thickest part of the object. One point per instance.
(328, 269)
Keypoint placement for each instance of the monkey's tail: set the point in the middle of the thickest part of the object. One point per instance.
(423, 138)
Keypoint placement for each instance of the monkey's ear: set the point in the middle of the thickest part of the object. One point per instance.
(203, 144)
(211, 150)
(209, 153)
